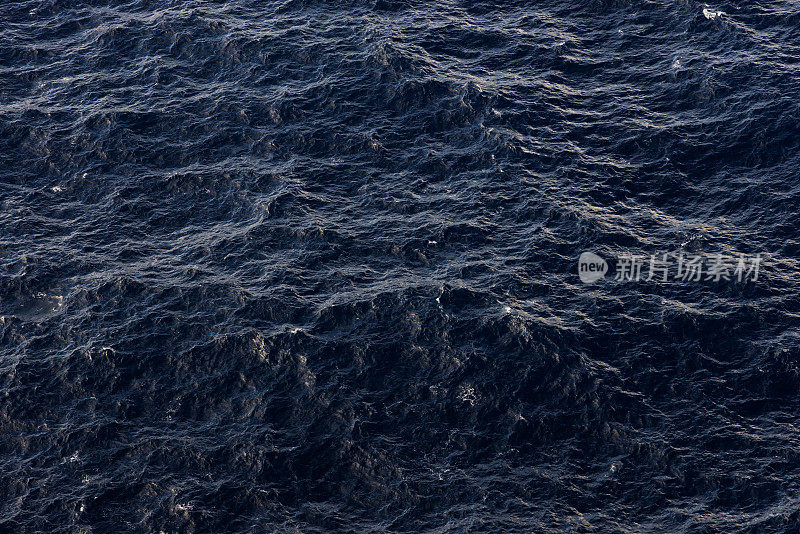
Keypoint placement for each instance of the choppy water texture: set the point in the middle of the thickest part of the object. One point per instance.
(310, 266)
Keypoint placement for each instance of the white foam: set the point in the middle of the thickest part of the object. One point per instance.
(711, 15)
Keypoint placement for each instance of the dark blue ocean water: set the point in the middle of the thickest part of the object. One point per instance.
(306, 266)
